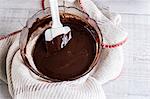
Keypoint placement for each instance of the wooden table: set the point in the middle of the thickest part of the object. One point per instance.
(134, 81)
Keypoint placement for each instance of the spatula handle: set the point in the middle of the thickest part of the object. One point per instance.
(55, 14)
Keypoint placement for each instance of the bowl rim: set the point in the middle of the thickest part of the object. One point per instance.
(24, 41)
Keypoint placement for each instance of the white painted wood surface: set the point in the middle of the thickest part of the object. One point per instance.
(134, 81)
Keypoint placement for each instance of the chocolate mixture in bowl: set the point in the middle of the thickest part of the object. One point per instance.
(71, 61)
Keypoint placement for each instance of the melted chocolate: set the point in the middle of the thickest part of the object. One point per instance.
(71, 61)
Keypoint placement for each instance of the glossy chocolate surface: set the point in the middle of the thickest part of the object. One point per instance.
(71, 61)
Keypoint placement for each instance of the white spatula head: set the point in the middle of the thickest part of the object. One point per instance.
(50, 34)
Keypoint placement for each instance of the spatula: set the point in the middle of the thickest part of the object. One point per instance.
(57, 27)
